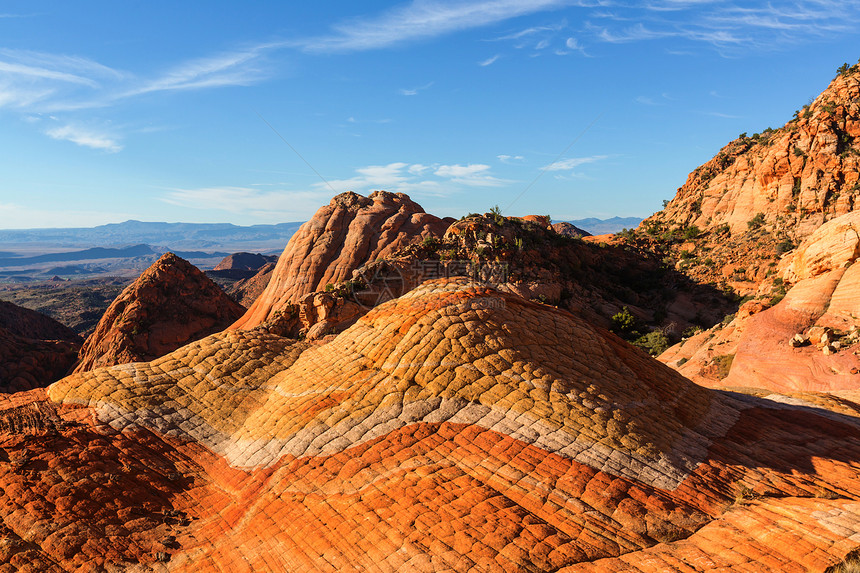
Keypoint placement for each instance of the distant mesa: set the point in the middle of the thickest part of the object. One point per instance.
(342, 236)
(241, 267)
(171, 304)
(244, 262)
(569, 230)
(605, 226)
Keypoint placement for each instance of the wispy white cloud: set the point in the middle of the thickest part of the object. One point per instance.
(472, 175)
(275, 205)
(510, 158)
(573, 163)
(414, 91)
(489, 61)
(675, 5)
(436, 179)
(33, 83)
(572, 45)
(239, 68)
(423, 19)
(728, 27)
(635, 33)
(722, 115)
(86, 137)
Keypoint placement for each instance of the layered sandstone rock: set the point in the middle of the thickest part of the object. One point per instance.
(31, 324)
(569, 230)
(342, 236)
(172, 303)
(454, 428)
(760, 196)
(808, 340)
(27, 363)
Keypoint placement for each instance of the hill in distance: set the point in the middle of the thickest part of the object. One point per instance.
(178, 236)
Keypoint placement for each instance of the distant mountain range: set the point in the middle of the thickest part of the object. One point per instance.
(604, 226)
(181, 236)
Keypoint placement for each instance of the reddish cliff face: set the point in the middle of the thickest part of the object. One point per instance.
(171, 304)
(342, 236)
(797, 176)
(760, 196)
(454, 428)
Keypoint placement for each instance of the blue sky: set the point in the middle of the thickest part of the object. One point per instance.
(259, 112)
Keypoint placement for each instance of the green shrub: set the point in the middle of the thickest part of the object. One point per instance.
(723, 364)
(756, 221)
(654, 343)
(623, 322)
(784, 246)
(691, 232)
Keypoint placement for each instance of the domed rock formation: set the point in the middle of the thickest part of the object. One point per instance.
(342, 236)
(31, 324)
(569, 230)
(27, 363)
(454, 428)
(171, 304)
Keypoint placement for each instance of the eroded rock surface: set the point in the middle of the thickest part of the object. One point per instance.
(171, 304)
(454, 428)
(807, 341)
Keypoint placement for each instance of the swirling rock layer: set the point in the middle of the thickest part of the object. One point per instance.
(455, 428)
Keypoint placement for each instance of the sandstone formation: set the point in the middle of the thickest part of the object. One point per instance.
(570, 230)
(345, 234)
(171, 304)
(760, 196)
(27, 363)
(455, 428)
(808, 340)
(798, 176)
